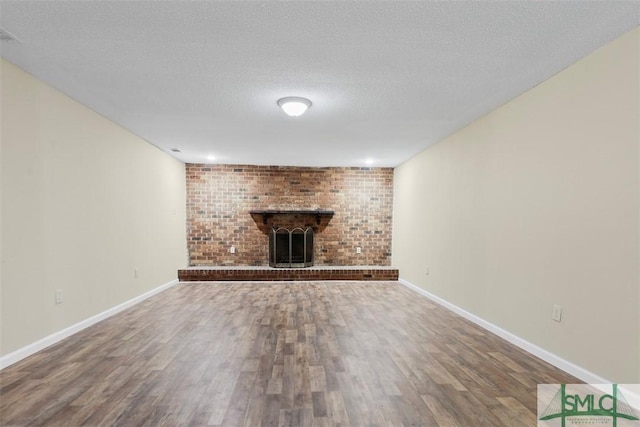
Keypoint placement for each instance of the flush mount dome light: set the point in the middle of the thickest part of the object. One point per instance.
(294, 106)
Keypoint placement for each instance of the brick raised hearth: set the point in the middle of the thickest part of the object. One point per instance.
(210, 274)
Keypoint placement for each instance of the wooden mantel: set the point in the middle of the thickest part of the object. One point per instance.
(268, 213)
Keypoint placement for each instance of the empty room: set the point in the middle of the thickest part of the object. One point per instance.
(311, 213)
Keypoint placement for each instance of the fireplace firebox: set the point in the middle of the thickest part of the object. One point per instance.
(291, 248)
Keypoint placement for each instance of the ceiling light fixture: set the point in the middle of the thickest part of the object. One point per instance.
(294, 106)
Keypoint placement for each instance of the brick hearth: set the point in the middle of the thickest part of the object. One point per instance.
(209, 274)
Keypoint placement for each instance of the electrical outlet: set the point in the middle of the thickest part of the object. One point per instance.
(426, 271)
(557, 313)
(232, 249)
(59, 297)
(136, 273)
(358, 250)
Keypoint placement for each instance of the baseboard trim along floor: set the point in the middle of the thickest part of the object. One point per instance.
(47, 341)
(632, 397)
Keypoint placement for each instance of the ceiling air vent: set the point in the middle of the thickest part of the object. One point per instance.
(175, 150)
(6, 36)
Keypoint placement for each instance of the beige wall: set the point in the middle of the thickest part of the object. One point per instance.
(84, 202)
(537, 204)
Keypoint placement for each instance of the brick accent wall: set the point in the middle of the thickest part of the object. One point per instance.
(219, 198)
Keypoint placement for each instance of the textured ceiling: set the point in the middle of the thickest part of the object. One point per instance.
(387, 79)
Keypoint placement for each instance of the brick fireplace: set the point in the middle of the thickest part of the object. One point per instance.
(225, 226)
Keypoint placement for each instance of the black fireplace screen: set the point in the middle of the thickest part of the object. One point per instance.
(291, 248)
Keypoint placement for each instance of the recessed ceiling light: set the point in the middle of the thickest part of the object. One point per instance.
(211, 157)
(368, 161)
(294, 106)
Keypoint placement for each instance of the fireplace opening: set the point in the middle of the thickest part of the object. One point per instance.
(291, 248)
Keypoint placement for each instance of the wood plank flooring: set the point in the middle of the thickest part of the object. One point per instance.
(279, 354)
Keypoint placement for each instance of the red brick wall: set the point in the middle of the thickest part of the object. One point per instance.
(219, 198)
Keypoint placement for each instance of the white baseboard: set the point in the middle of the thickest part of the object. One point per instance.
(577, 371)
(45, 342)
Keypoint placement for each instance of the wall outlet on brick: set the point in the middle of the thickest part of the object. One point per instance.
(232, 249)
(358, 250)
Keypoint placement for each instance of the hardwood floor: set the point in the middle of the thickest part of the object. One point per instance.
(279, 354)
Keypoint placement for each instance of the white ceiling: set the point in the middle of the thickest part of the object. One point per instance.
(387, 79)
